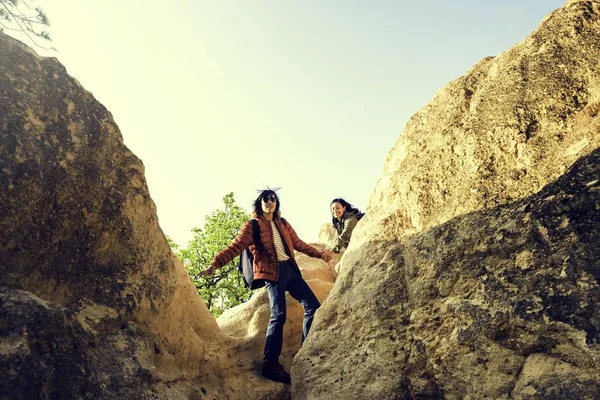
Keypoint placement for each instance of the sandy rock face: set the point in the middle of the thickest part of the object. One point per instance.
(469, 277)
(501, 132)
(92, 301)
(500, 303)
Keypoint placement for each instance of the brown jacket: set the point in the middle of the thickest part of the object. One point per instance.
(265, 259)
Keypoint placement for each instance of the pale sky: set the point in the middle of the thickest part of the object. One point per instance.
(307, 95)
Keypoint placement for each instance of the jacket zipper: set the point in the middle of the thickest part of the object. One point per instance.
(285, 245)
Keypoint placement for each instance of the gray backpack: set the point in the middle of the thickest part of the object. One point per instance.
(245, 264)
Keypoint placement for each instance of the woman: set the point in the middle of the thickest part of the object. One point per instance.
(275, 264)
(344, 219)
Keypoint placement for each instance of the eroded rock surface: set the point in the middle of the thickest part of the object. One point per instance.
(509, 126)
(93, 302)
(469, 278)
(500, 303)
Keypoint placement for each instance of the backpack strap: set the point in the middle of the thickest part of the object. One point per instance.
(256, 233)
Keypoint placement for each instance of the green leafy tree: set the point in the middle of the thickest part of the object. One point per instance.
(22, 16)
(225, 288)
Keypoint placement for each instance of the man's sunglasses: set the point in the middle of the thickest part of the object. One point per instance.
(273, 199)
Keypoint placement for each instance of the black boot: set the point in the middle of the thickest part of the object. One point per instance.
(274, 371)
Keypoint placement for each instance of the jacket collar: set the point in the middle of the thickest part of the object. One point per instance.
(263, 219)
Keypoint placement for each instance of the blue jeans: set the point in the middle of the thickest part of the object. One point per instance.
(290, 280)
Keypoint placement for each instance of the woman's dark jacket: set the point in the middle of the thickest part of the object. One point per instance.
(344, 228)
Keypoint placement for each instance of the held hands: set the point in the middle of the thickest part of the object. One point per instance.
(208, 271)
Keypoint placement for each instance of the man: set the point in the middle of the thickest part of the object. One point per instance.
(275, 264)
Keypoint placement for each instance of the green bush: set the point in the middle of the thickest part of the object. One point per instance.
(225, 288)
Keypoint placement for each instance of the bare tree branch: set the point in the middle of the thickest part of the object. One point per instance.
(29, 24)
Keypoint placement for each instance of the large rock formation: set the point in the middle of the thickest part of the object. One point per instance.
(92, 301)
(469, 277)
(500, 303)
(501, 132)
(93, 304)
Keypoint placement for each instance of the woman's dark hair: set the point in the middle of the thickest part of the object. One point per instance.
(350, 209)
(257, 206)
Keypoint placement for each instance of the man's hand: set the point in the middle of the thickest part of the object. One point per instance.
(208, 271)
(327, 255)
